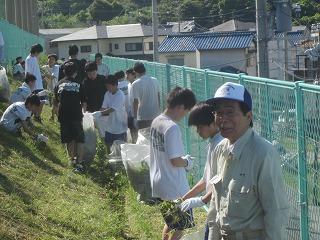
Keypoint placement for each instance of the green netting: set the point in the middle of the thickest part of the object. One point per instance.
(17, 41)
(286, 113)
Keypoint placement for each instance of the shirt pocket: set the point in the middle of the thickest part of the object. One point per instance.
(241, 199)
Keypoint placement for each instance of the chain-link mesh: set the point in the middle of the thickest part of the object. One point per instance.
(285, 113)
(17, 42)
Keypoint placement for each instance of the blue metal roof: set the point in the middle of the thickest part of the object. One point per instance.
(206, 41)
(177, 44)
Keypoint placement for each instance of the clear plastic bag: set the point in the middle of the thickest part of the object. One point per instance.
(4, 85)
(90, 143)
(136, 160)
(100, 123)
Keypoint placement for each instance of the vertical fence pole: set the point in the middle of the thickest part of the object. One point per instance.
(206, 84)
(187, 130)
(168, 77)
(269, 113)
(303, 198)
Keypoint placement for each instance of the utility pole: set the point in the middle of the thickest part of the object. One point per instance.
(262, 39)
(155, 24)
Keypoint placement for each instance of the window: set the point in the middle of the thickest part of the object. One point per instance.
(110, 47)
(176, 61)
(85, 49)
(133, 47)
(116, 46)
(53, 44)
(150, 46)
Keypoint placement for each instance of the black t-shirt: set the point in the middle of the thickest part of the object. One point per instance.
(81, 74)
(94, 93)
(71, 96)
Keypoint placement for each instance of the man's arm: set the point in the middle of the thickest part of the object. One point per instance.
(179, 162)
(198, 188)
(28, 130)
(106, 111)
(135, 107)
(273, 197)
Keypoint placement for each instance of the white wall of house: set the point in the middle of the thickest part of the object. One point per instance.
(149, 40)
(84, 47)
(216, 59)
(187, 59)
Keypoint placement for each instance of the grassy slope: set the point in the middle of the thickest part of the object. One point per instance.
(41, 198)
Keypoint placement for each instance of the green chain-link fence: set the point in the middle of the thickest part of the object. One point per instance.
(17, 42)
(286, 113)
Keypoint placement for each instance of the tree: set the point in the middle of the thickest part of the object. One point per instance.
(101, 10)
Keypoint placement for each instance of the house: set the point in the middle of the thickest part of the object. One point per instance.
(295, 53)
(51, 34)
(211, 50)
(129, 41)
(184, 27)
(234, 25)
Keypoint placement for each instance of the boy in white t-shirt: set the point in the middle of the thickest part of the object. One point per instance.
(202, 117)
(168, 163)
(123, 86)
(18, 114)
(113, 106)
(21, 94)
(131, 77)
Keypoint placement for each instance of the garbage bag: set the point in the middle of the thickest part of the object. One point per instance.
(100, 123)
(4, 85)
(195, 235)
(136, 159)
(144, 136)
(90, 137)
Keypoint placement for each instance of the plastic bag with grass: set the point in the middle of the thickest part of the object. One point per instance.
(136, 160)
(4, 85)
(90, 143)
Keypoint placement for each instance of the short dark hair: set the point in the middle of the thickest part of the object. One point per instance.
(139, 67)
(37, 48)
(30, 78)
(181, 96)
(201, 114)
(119, 75)
(112, 80)
(69, 69)
(91, 66)
(54, 56)
(33, 99)
(245, 109)
(130, 71)
(18, 58)
(73, 50)
(98, 55)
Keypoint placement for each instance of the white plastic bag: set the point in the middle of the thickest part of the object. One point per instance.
(4, 85)
(195, 235)
(100, 123)
(90, 137)
(144, 136)
(136, 159)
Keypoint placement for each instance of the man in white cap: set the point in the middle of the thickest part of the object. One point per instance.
(248, 200)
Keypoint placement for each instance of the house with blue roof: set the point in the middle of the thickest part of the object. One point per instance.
(211, 50)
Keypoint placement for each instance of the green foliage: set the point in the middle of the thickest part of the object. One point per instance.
(101, 10)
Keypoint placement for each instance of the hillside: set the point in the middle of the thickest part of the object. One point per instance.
(42, 198)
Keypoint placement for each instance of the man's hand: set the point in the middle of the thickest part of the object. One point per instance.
(96, 114)
(189, 162)
(191, 203)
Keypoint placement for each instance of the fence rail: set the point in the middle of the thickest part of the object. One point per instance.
(286, 113)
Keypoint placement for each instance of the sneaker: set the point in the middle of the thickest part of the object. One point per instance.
(79, 168)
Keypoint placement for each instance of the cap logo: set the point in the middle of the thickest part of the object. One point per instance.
(226, 89)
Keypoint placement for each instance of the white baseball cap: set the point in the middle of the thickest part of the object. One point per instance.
(232, 91)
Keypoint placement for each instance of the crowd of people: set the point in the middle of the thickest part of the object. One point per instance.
(242, 183)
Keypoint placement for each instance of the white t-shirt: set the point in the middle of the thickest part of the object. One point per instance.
(123, 86)
(32, 67)
(17, 68)
(167, 182)
(213, 142)
(54, 72)
(117, 121)
(14, 115)
(130, 100)
(21, 94)
(146, 90)
(103, 69)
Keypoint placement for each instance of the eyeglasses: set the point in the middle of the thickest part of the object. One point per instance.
(227, 113)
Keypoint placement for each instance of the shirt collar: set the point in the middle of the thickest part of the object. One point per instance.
(236, 148)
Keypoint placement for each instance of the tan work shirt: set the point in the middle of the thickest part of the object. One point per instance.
(248, 187)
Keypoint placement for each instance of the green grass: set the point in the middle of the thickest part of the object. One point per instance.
(42, 198)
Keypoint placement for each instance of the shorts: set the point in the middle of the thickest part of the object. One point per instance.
(185, 220)
(72, 131)
(109, 138)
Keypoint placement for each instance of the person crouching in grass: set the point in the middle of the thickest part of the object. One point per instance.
(71, 100)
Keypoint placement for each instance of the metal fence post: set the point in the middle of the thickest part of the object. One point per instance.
(206, 84)
(187, 130)
(168, 77)
(303, 198)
